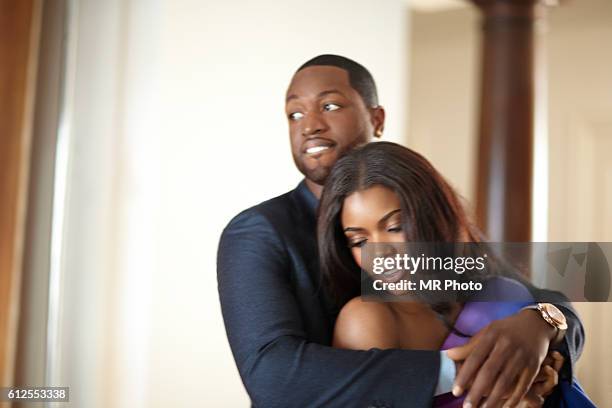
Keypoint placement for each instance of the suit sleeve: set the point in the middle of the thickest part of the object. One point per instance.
(573, 342)
(278, 366)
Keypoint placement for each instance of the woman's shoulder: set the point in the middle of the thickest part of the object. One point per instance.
(362, 325)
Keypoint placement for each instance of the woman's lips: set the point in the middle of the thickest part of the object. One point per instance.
(392, 276)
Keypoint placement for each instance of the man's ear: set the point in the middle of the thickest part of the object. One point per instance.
(377, 115)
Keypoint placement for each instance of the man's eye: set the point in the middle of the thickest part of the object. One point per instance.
(330, 107)
(296, 116)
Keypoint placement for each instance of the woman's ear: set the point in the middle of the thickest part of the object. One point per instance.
(378, 120)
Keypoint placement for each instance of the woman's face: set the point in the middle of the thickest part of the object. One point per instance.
(371, 216)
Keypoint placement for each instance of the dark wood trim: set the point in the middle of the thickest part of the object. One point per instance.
(506, 124)
(31, 353)
(19, 28)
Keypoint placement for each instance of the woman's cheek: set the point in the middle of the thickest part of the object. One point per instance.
(356, 251)
(395, 237)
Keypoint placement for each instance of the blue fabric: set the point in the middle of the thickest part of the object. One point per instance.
(448, 372)
(571, 395)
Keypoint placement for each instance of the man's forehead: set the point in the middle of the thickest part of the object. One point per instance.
(314, 79)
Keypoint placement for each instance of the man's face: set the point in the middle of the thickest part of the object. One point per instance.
(327, 118)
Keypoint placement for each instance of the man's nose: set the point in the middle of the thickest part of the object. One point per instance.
(313, 124)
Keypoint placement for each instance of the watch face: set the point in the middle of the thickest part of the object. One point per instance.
(555, 314)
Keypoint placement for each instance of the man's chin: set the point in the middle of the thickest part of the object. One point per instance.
(318, 175)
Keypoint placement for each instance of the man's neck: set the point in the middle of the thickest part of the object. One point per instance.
(315, 188)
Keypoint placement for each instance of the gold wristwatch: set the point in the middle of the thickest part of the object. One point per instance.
(553, 316)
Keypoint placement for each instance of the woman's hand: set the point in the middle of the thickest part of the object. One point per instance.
(545, 382)
(543, 385)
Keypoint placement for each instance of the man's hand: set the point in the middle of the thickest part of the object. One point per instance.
(502, 359)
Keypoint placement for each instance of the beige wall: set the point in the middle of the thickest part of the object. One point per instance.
(444, 65)
(580, 82)
(444, 61)
(177, 125)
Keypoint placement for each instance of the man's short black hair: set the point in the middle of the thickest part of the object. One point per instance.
(359, 77)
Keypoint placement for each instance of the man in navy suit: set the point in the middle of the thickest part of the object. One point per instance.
(279, 322)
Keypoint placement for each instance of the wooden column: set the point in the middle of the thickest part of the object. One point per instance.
(19, 23)
(505, 155)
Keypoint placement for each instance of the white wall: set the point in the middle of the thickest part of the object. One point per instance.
(178, 125)
(443, 97)
(581, 159)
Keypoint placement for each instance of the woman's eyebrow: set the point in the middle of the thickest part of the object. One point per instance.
(351, 229)
(388, 215)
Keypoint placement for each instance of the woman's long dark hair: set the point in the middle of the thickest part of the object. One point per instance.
(431, 210)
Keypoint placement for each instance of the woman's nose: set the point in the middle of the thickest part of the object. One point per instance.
(384, 250)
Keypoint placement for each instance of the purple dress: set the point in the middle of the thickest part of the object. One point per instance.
(476, 315)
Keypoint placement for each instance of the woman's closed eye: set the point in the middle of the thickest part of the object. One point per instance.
(395, 228)
(357, 243)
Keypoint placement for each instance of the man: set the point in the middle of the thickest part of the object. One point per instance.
(278, 321)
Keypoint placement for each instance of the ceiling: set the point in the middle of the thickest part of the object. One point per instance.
(432, 6)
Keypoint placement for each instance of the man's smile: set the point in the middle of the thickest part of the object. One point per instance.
(315, 147)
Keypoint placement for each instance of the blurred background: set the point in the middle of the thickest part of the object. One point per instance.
(132, 131)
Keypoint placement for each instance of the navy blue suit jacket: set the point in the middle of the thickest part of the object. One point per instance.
(280, 324)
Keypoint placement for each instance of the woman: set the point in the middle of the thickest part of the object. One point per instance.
(383, 192)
